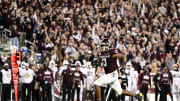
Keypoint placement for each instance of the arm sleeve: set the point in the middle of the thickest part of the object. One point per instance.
(0, 76)
(52, 76)
(139, 79)
(82, 78)
(150, 80)
(171, 77)
(155, 78)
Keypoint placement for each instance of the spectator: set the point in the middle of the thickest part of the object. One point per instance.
(70, 50)
(169, 61)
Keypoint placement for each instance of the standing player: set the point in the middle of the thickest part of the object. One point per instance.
(48, 80)
(132, 78)
(166, 81)
(176, 81)
(109, 63)
(90, 73)
(67, 82)
(77, 79)
(156, 83)
(144, 81)
(124, 79)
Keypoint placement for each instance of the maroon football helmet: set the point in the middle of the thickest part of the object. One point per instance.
(105, 45)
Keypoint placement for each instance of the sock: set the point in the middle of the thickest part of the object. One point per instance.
(98, 99)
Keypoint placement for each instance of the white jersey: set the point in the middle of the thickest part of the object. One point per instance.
(176, 76)
(6, 76)
(60, 70)
(54, 70)
(175, 85)
(132, 79)
(90, 74)
(27, 75)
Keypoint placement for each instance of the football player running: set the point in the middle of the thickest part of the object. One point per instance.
(108, 59)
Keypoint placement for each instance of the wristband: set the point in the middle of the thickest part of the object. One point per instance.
(119, 77)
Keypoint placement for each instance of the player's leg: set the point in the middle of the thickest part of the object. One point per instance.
(102, 81)
(98, 93)
(117, 87)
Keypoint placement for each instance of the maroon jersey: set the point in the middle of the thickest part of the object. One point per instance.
(109, 63)
(78, 77)
(67, 76)
(166, 78)
(39, 74)
(48, 76)
(144, 80)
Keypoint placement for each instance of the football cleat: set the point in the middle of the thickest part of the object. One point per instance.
(139, 96)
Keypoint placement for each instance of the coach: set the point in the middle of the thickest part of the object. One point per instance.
(6, 82)
(27, 78)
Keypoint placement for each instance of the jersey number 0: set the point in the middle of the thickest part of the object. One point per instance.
(104, 63)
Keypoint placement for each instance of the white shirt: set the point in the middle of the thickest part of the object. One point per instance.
(176, 76)
(71, 50)
(27, 75)
(132, 78)
(6, 76)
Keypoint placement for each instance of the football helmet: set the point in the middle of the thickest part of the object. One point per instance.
(65, 62)
(105, 45)
(78, 63)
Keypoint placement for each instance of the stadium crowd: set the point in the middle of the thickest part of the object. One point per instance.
(147, 32)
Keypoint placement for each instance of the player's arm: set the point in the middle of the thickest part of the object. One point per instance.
(97, 72)
(119, 72)
(73, 81)
(0, 76)
(119, 56)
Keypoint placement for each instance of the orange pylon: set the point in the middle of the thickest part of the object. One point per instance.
(14, 74)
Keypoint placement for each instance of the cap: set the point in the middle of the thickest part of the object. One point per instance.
(6, 64)
(26, 64)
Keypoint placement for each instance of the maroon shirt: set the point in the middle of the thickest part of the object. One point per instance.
(48, 76)
(144, 80)
(166, 78)
(78, 77)
(67, 76)
(109, 63)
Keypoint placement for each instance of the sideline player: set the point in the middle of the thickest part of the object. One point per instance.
(176, 80)
(132, 79)
(166, 81)
(109, 63)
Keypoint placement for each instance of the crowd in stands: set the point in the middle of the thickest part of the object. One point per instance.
(145, 30)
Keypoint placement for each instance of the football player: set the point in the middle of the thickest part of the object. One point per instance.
(109, 63)
(166, 81)
(132, 78)
(176, 80)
